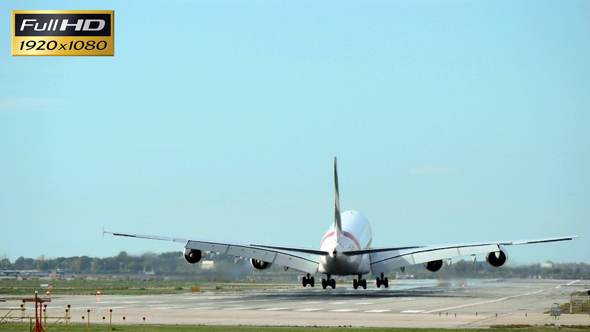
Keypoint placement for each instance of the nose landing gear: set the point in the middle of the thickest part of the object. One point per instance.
(382, 281)
(308, 280)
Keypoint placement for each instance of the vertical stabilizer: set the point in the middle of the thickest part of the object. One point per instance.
(337, 220)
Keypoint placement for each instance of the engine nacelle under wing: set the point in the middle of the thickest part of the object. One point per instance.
(192, 256)
(434, 265)
(260, 265)
(497, 258)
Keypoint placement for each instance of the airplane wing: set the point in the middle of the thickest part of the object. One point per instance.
(303, 259)
(386, 259)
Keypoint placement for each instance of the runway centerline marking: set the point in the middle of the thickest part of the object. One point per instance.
(411, 311)
(378, 310)
(273, 309)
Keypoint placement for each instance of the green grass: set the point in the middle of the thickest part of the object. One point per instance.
(20, 288)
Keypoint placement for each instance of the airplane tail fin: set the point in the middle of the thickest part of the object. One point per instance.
(337, 218)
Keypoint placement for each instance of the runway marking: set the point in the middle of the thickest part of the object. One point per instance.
(365, 303)
(378, 310)
(411, 311)
(484, 302)
(313, 302)
(161, 308)
(343, 310)
(341, 302)
(131, 302)
(308, 309)
(236, 308)
(571, 283)
(273, 309)
(233, 301)
(203, 308)
(155, 302)
(558, 286)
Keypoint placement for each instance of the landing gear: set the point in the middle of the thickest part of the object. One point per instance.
(382, 281)
(308, 280)
(359, 282)
(329, 282)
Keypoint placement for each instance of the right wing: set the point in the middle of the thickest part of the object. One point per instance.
(303, 259)
(387, 259)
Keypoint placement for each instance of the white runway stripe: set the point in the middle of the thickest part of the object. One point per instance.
(484, 302)
(378, 310)
(343, 310)
(273, 309)
(308, 309)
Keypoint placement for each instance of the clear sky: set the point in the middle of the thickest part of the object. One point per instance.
(453, 121)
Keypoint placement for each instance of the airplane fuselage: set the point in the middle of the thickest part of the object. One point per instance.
(356, 235)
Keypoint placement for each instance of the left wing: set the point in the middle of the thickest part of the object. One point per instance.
(386, 259)
(303, 259)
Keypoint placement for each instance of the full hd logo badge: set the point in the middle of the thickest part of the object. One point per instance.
(63, 32)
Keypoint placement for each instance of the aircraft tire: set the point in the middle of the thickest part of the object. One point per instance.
(355, 284)
(386, 282)
(312, 282)
(304, 281)
(324, 283)
(378, 282)
(333, 284)
(364, 283)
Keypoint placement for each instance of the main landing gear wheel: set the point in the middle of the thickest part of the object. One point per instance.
(308, 281)
(382, 281)
(328, 282)
(359, 282)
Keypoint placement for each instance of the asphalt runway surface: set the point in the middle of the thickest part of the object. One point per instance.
(406, 303)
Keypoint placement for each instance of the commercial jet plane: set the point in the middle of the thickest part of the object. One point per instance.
(345, 250)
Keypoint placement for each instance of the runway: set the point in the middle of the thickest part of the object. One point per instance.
(408, 303)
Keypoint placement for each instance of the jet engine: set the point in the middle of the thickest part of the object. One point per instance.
(497, 258)
(260, 265)
(192, 256)
(434, 265)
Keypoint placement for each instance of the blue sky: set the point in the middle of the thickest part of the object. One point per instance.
(453, 121)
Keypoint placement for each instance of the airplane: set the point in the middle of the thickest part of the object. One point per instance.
(345, 250)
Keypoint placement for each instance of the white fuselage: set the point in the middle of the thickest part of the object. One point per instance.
(356, 235)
